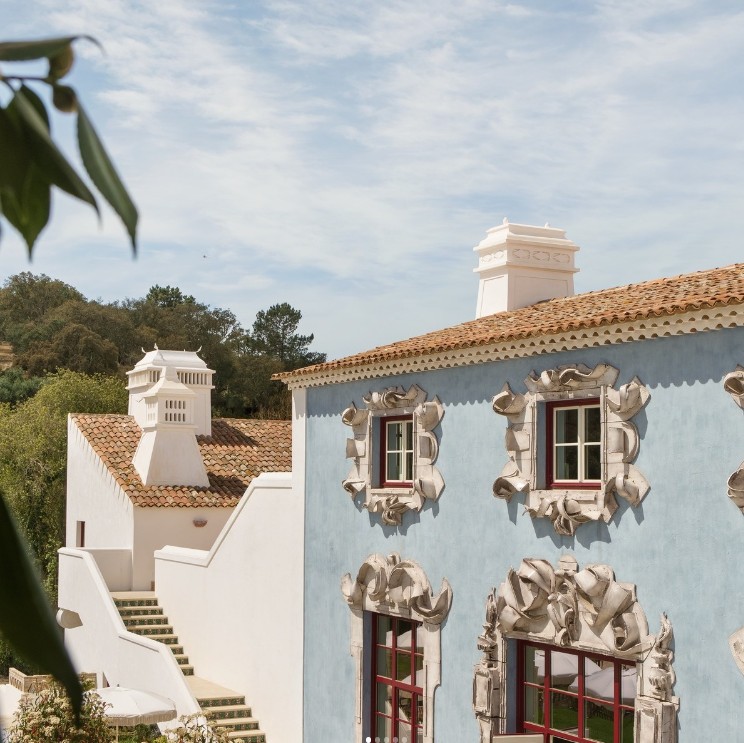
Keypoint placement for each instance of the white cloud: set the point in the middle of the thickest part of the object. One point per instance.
(334, 154)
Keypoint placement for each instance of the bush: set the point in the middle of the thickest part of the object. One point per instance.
(47, 717)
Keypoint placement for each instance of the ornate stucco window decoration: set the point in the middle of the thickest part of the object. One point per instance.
(733, 383)
(399, 588)
(529, 449)
(426, 482)
(586, 610)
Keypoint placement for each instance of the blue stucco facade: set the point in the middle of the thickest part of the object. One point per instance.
(679, 546)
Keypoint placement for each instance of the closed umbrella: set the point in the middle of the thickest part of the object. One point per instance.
(129, 707)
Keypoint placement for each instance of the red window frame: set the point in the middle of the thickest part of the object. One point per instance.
(384, 482)
(551, 482)
(553, 734)
(401, 659)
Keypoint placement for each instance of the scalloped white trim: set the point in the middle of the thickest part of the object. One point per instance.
(716, 318)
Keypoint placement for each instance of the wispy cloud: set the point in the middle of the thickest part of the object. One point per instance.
(337, 154)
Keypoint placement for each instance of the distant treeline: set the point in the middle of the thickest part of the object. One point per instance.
(52, 326)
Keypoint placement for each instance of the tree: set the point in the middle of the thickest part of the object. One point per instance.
(15, 386)
(30, 161)
(275, 334)
(168, 296)
(33, 458)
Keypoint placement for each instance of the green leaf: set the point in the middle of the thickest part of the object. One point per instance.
(102, 172)
(14, 155)
(21, 51)
(26, 619)
(44, 152)
(28, 208)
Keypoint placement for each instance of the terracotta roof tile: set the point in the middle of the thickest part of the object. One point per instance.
(237, 451)
(667, 296)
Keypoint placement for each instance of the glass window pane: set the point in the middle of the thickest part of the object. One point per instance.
(404, 636)
(534, 665)
(384, 699)
(405, 705)
(564, 712)
(599, 679)
(408, 474)
(564, 667)
(598, 722)
(566, 462)
(394, 462)
(566, 425)
(420, 736)
(403, 668)
(383, 727)
(419, 709)
(628, 684)
(404, 732)
(626, 726)
(593, 463)
(385, 662)
(419, 638)
(384, 630)
(409, 435)
(592, 428)
(419, 660)
(395, 436)
(533, 704)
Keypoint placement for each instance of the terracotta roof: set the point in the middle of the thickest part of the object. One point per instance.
(237, 451)
(668, 296)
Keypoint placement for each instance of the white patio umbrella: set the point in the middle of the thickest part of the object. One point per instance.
(602, 684)
(129, 707)
(564, 667)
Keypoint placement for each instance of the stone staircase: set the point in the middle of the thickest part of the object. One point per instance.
(224, 708)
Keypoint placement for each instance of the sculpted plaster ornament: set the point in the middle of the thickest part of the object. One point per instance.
(733, 383)
(567, 509)
(586, 610)
(392, 503)
(389, 585)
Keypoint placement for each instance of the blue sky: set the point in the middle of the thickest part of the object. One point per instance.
(346, 156)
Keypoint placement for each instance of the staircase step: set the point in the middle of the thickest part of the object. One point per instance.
(235, 723)
(212, 702)
(228, 711)
(144, 620)
(155, 631)
(253, 736)
(151, 611)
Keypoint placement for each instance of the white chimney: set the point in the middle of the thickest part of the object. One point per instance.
(168, 453)
(188, 368)
(520, 265)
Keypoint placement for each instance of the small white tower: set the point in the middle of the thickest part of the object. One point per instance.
(189, 369)
(520, 265)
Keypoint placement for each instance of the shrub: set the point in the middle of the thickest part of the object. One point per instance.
(47, 717)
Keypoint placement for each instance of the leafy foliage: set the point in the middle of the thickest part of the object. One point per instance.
(48, 716)
(52, 326)
(30, 161)
(33, 455)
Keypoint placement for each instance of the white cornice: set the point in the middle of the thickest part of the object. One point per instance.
(697, 321)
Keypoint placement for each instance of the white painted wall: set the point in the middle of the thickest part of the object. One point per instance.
(156, 527)
(238, 609)
(103, 645)
(95, 497)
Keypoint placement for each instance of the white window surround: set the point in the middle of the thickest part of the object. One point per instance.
(733, 383)
(399, 588)
(392, 503)
(581, 609)
(566, 508)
